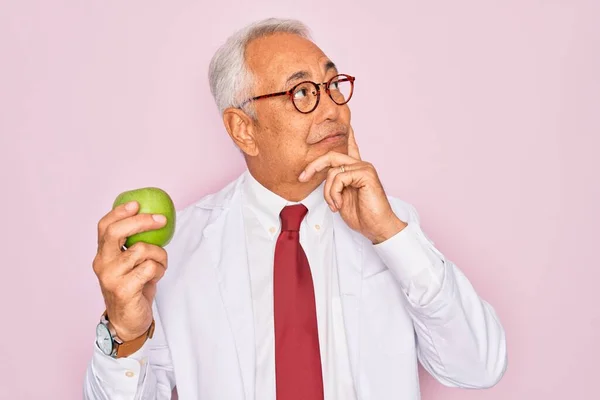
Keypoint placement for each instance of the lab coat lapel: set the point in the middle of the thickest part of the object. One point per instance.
(227, 242)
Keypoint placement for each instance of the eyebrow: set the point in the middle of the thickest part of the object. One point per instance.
(329, 65)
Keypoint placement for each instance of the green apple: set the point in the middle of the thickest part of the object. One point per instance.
(152, 201)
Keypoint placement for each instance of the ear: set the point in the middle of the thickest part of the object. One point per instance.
(240, 127)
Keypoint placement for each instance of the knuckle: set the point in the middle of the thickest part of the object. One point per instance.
(153, 266)
(139, 248)
(104, 272)
(99, 260)
(102, 225)
(97, 265)
(110, 232)
(164, 256)
(148, 270)
(145, 266)
(102, 268)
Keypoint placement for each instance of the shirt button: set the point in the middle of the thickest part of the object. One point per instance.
(317, 227)
(272, 229)
(129, 374)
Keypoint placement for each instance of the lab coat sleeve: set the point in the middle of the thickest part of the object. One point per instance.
(460, 340)
(145, 375)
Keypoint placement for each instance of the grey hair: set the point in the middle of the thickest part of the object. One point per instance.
(229, 76)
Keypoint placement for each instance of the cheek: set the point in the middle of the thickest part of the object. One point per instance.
(284, 133)
(294, 131)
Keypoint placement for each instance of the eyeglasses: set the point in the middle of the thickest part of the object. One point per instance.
(306, 95)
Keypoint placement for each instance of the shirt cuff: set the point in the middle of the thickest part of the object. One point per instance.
(414, 261)
(121, 374)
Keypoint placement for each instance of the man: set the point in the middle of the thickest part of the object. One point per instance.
(299, 280)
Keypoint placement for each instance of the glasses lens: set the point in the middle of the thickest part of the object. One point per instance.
(340, 89)
(305, 96)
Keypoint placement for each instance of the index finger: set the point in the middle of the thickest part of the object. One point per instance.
(352, 145)
(118, 213)
(111, 243)
(331, 159)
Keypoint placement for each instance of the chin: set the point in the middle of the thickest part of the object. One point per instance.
(340, 148)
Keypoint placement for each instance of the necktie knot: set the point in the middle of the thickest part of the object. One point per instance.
(292, 216)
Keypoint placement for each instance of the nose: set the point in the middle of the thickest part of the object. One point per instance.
(327, 109)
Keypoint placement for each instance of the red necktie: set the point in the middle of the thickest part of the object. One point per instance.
(297, 356)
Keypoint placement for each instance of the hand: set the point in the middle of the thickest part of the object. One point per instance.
(128, 277)
(356, 192)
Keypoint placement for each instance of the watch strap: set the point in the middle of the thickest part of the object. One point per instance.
(127, 348)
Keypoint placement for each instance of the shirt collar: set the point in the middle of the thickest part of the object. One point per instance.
(267, 205)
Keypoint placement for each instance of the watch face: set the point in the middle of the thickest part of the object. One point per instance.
(103, 339)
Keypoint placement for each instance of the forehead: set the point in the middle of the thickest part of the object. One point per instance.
(274, 58)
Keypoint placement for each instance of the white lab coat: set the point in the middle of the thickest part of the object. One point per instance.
(204, 341)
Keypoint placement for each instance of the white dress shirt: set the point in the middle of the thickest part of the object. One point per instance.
(261, 219)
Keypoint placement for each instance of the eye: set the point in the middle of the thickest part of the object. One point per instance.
(300, 93)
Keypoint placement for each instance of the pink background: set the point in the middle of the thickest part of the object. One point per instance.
(484, 114)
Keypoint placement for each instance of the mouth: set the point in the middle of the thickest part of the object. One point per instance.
(333, 137)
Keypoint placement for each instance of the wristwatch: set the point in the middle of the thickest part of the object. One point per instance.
(111, 345)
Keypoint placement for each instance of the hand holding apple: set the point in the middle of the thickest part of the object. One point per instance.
(143, 220)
